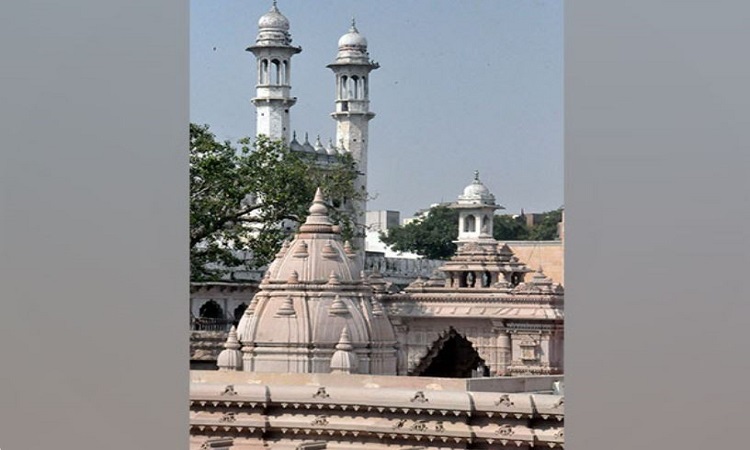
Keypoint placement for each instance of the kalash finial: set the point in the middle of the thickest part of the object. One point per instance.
(353, 29)
(476, 176)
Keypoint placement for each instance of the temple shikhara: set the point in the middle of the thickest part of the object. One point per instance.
(326, 352)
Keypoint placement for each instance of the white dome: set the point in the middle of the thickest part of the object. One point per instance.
(477, 192)
(273, 20)
(352, 39)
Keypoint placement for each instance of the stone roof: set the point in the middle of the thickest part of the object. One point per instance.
(310, 293)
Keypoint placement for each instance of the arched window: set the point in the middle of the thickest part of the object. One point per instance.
(276, 72)
(211, 310)
(286, 73)
(263, 72)
(342, 87)
(485, 224)
(470, 224)
(355, 87)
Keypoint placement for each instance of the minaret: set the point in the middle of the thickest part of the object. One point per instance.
(352, 69)
(273, 52)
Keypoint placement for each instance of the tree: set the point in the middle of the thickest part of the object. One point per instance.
(431, 236)
(509, 228)
(239, 198)
(546, 229)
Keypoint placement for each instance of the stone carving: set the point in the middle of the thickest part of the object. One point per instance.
(559, 433)
(505, 430)
(228, 417)
(439, 426)
(419, 397)
(559, 403)
(229, 390)
(400, 424)
(419, 425)
(504, 400)
(319, 420)
(529, 349)
(321, 393)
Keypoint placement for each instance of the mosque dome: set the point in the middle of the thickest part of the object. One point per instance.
(307, 146)
(353, 39)
(309, 294)
(273, 19)
(295, 146)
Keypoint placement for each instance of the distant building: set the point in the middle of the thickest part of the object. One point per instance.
(382, 220)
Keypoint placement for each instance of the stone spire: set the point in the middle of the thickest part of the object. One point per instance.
(231, 357)
(344, 360)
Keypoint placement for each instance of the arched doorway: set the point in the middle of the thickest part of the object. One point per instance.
(451, 356)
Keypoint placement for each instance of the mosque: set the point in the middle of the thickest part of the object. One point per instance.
(330, 355)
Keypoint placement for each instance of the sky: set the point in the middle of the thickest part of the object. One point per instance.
(462, 86)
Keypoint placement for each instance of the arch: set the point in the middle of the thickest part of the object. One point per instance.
(286, 72)
(211, 310)
(238, 312)
(470, 224)
(276, 72)
(365, 88)
(450, 356)
(355, 86)
(486, 224)
(486, 279)
(342, 87)
(263, 79)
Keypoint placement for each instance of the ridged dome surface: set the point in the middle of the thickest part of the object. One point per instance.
(312, 291)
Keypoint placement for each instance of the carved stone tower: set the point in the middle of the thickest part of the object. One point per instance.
(352, 69)
(273, 52)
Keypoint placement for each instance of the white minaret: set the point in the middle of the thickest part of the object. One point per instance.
(273, 52)
(352, 69)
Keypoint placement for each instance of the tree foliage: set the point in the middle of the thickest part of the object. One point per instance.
(432, 236)
(240, 197)
(546, 230)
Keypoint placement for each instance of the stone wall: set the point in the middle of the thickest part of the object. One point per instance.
(241, 410)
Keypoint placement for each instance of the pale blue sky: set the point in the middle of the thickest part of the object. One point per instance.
(463, 85)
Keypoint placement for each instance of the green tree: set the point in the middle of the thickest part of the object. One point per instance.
(239, 198)
(431, 236)
(546, 229)
(508, 228)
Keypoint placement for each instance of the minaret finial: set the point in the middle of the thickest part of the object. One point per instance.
(354, 25)
(476, 175)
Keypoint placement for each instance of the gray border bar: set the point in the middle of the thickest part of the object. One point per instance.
(93, 189)
(657, 136)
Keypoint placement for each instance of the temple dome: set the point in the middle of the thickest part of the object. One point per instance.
(310, 293)
(316, 252)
